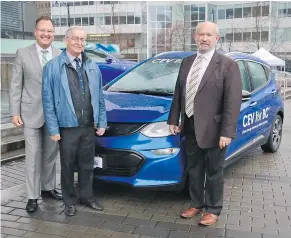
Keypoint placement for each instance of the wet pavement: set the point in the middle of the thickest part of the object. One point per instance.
(257, 203)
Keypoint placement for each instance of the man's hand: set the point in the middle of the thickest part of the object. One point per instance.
(100, 131)
(17, 121)
(174, 129)
(224, 141)
(56, 137)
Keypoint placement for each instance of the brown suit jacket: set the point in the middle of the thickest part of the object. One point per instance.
(217, 101)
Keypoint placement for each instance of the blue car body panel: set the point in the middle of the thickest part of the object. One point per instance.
(254, 124)
(111, 70)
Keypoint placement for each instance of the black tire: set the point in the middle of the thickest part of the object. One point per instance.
(275, 136)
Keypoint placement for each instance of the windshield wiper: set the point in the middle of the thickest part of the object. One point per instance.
(150, 92)
(147, 92)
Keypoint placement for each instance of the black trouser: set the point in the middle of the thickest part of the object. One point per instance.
(203, 162)
(77, 147)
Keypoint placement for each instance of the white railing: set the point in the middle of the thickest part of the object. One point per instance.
(284, 78)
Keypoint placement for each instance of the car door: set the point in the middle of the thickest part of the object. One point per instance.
(243, 136)
(262, 98)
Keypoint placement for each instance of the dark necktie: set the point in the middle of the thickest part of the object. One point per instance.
(80, 76)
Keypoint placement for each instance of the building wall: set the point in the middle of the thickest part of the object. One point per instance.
(43, 8)
(17, 19)
(170, 25)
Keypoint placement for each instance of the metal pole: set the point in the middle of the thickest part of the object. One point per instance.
(22, 20)
(68, 8)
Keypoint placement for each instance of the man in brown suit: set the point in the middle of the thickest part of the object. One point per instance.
(208, 98)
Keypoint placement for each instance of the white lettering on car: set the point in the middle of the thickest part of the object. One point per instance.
(166, 61)
(259, 118)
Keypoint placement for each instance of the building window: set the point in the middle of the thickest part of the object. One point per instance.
(247, 12)
(72, 22)
(78, 21)
(255, 36)
(201, 13)
(229, 37)
(91, 3)
(229, 13)
(238, 13)
(100, 20)
(137, 20)
(221, 14)
(237, 37)
(77, 3)
(84, 3)
(194, 16)
(91, 21)
(63, 21)
(282, 12)
(265, 11)
(130, 18)
(56, 21)
(246, 36)
(122, 18)
(114, 20)
(85, 21)
(256, 11)
(264, 36)
(107, 20)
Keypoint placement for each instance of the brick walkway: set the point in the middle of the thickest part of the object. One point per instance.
(257, 203)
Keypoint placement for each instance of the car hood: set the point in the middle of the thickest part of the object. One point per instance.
(140, 108)
(128, 62)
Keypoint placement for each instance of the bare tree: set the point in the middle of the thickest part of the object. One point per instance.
(177, 35)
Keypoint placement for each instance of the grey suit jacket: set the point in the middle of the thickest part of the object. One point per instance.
(217, 101)
(26, 87)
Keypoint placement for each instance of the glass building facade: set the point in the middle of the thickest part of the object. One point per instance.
(148, 28)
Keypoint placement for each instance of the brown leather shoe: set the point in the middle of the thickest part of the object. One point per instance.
(208, 219)
(190, 212)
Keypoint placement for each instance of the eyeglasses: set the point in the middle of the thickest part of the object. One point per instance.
(44, 31)
(77, 39)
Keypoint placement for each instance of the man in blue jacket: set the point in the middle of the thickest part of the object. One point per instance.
(74, 109)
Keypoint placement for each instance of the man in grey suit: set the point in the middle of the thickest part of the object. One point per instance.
(208, 98)
(26, 110)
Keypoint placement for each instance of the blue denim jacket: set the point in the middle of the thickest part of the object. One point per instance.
(56, 97)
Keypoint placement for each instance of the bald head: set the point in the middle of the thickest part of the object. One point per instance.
(206, 36)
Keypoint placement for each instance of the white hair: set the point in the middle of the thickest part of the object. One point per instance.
(70, 29)
(199, 25)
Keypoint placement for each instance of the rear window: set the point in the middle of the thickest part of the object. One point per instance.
(157, 75)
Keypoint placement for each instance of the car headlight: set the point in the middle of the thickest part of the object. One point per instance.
(157, 129)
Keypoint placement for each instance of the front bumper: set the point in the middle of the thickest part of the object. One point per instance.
(130, 160)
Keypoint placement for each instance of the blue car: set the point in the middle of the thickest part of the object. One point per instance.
(110, 66)
(138, 149)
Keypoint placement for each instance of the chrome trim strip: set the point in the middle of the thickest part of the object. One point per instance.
(258, 138)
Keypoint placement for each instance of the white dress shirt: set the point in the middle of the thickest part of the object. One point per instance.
(204, 64)
(72, 59)
(49, 54)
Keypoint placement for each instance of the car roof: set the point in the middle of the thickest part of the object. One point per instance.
(233, 55)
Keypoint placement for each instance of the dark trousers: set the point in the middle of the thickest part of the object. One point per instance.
(205, 168)
(77, 147)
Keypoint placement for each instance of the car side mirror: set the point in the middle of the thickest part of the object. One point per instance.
(246, 95)
(108, 60)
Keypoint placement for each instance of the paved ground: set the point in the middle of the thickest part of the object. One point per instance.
(257, 203)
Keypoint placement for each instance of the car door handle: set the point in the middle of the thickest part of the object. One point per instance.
(252, 104)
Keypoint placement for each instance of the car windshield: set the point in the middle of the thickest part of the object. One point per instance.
(156, 76)
(96, 56)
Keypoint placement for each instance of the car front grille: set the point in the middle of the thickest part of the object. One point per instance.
(119, 162)
(123, 129)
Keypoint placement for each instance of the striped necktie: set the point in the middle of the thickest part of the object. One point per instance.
(192, 86)
(44, 58)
